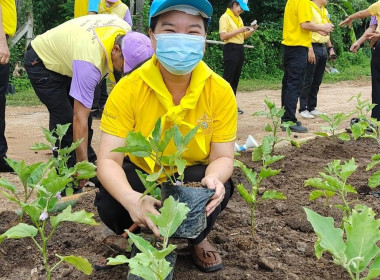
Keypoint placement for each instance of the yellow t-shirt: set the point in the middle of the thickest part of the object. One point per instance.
(88, 38)
(320, 16)
(296, 12)
(227, 24)
(374, 9)
(133, 105)
(118, 9)
(8, 8)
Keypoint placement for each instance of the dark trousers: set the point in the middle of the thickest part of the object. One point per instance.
(233, 56)
(313, 79)
(53, 91)
(375, 73)
(114, 215)
(4, 79)
(295, 60)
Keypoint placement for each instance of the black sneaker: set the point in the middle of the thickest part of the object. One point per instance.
(97, 113)
(4, 167)
(240, 111)
(298, 128)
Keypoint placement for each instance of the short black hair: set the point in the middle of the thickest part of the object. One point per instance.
(154, 20)
(119, 40)
(231, 4)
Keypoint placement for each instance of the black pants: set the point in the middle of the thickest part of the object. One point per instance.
(53, 91)
(4, 79)
(295, 60)
(116, 217)
(313, 79)
(233, 56)
(375, 73)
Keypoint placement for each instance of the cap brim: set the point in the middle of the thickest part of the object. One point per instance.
(244, 7)
(202, 5)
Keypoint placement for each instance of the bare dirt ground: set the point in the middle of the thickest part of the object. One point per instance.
(282, 247)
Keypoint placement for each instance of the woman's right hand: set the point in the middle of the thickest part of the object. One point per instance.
(137, 208)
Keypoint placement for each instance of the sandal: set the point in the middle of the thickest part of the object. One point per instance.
(205, 257)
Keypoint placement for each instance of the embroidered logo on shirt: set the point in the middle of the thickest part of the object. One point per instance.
(205, 124)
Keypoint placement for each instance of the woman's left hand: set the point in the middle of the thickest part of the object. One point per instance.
(214, 183)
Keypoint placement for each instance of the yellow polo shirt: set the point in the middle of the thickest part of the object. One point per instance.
(87, 38)
(320, 16)
(227, 24)
(374, 9)
(296, 12)
(8, 8)
(133, 105)
(118, 9)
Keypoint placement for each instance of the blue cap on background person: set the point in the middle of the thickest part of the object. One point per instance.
(196, 7)
(136, 48)
(243, 4)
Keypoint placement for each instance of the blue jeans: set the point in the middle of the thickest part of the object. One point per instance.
(313, 78)
(53, 90)
(295, 60)
(4, 79)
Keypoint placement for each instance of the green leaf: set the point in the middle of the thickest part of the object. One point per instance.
(167, 137)
(54, 183)
(4, 183)
(40, 147)
(173, 213)
(80, 263)
(374, 180)
(244, 194)
(319, 183)
(49, 136)
(156, 133)
(33, 211)
(315, 194)
(84, 170)
(19, 231)
(348, 168)
(81, 217)
(190, 135)
(273, 195)
(362, 236)
(344, 136)
(144, 246)
(268, 172)
(272, 159)
(323, 134)
(142, 265)
(120, 259)
(181, 165)
(135, 144)
(374, 269)
(249, 174)
(329, 237)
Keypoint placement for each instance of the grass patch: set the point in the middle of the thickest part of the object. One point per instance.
(351, 67)
(354, 67)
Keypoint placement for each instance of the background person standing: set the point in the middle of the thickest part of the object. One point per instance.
(296, 41)
(233, 32)
(373, 10)
(317, 59)
(8, 24)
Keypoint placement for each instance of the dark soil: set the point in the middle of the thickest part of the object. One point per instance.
(282, 247)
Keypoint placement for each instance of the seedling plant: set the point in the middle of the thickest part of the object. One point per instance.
(171, 167)
(354, 246)
(151, 264)
(365, 126)
(333, 124)
(48, 183)
(275, 114)
(334, 182)
(263, 154)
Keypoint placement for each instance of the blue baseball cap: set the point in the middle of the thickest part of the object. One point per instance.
(161, 6)
(243, 4)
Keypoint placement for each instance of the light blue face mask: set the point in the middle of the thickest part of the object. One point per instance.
(179, 53)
